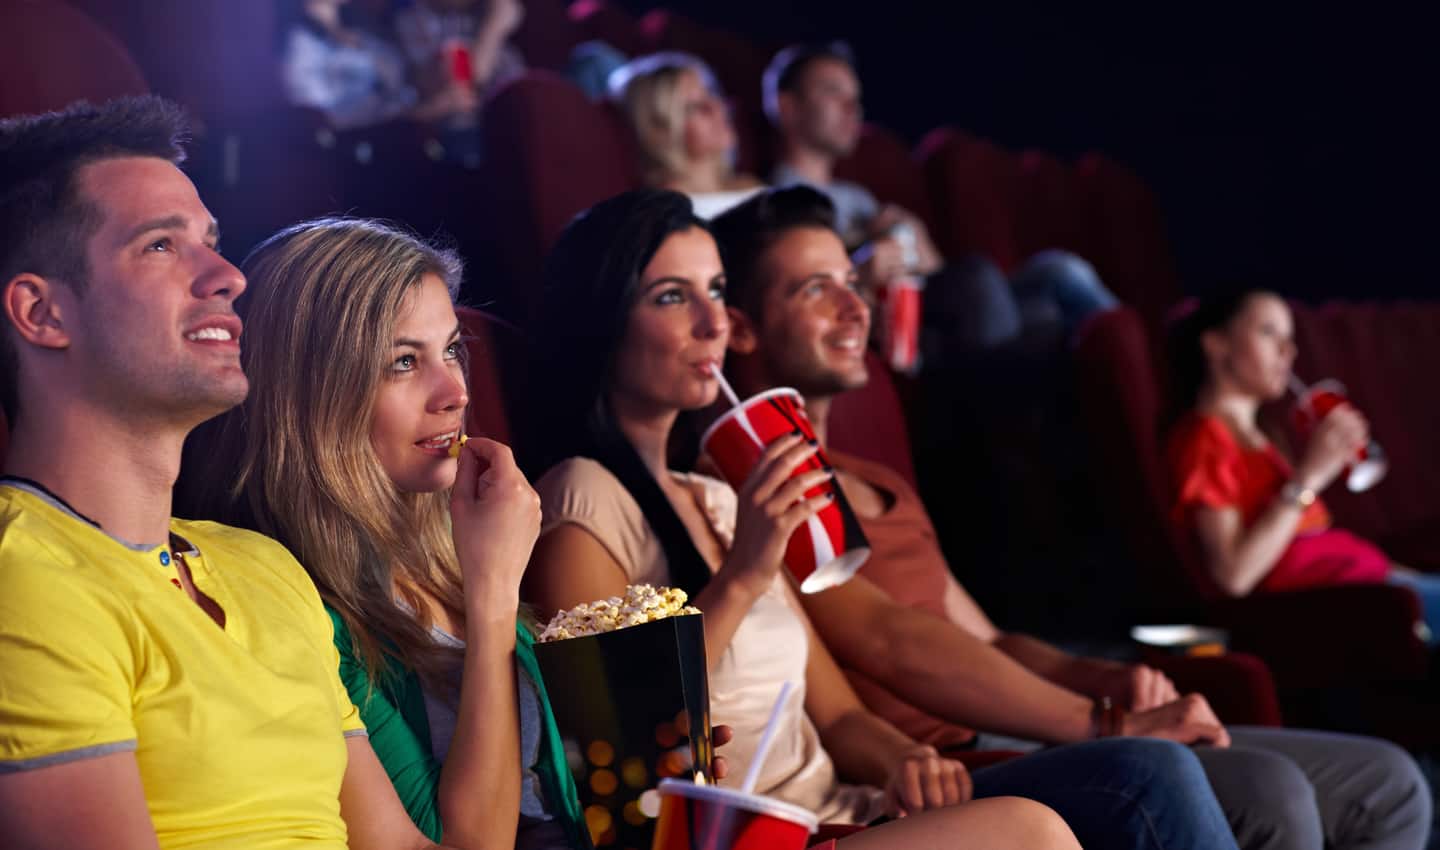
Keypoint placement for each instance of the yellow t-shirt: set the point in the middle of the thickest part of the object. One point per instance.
(238, 732)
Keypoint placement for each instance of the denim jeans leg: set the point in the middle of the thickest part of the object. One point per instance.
(1119, 794)
(969, 303)
(1066, 280)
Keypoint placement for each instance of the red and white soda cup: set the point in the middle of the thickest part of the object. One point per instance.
(899, 330)
(703, 817)
(1312, 405)
(457, 62)
(829, 547)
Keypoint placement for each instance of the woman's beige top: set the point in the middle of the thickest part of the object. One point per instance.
(768, 648)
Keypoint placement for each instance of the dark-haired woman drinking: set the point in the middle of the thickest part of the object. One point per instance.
(1257, 519)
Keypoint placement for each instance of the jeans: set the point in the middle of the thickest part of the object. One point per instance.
(1119, 794)
(973, 304)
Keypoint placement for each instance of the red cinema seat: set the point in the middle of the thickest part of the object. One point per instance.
(870, 422)
(495, 362)
(55, 54)
(882, 162)
(1124, 236)
(550, 154)
(547, 35)
(1046, 216)
(610, 23)
(973, 191)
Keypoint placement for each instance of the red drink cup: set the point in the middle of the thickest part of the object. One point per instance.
(703, 817)
(899, 303)
(457, 60)
(1313, 405)
(829, 547)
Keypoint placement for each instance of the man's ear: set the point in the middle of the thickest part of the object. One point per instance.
(743, 338)
(33, 308)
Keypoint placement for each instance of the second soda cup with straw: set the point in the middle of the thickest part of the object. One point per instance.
(830, 547)
(1312, 404)
(694, 816)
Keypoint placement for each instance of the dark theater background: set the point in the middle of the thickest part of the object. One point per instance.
(1181, 147)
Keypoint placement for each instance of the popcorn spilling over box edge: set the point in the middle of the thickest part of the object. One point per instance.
(627, 681)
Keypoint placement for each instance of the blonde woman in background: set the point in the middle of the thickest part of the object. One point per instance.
(682, 131)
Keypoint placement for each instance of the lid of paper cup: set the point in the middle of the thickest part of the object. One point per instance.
(730, 414)
(1180, 634)
(740, 800)
(837, 572)
(1366, 474)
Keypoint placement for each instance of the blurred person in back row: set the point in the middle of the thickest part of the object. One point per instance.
(796, 321)
(812, 96)
(681, 127)
(356, 77)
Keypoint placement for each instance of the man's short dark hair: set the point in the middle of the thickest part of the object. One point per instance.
(787, 69)
(745, 232)
(44, 222)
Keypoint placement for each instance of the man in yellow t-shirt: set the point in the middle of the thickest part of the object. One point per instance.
(163, 683)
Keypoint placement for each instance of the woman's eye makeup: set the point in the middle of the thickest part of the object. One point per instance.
(403, 363)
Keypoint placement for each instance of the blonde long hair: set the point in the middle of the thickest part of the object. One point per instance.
(295, 461)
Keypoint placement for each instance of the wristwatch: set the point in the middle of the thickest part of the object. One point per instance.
(1300, 497)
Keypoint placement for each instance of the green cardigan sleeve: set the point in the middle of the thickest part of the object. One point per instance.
(393, 709)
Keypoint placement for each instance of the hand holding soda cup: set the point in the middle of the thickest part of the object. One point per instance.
(826, 546)
(1338, 438)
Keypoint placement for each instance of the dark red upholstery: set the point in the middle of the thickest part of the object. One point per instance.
(610, 23)
(55, 54)
(496, 362)
(550, 154)
(1386, 356)
(1296, 633)
(547, 35)
(1239, 686)
(882, 162)
(870, 422)
(974, 192)
(1046, 216)
(216, 59)
(1124, 236)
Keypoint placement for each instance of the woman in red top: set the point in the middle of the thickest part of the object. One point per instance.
(1258, 520)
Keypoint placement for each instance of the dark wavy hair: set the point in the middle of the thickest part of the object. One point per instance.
(592, 280)
(1185, 354)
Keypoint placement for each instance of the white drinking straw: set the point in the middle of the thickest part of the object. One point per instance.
(753, 774)
(1297, 386)
(725, 386)
(739, 409)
